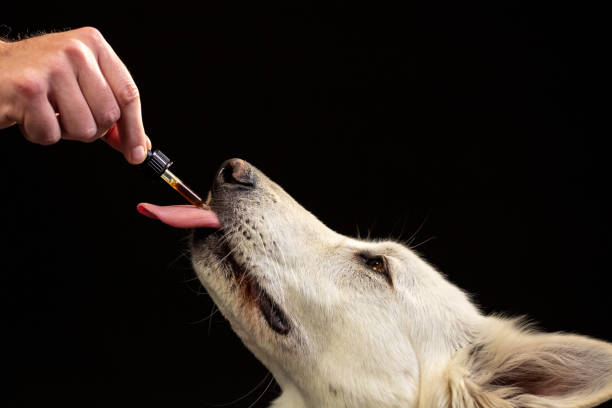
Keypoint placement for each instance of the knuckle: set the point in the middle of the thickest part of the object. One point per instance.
(91, 33)
(84, 133)
(76, 50)
(128, 94)
(89, 133)
(30, 86)
(109, 117)
(46, 138)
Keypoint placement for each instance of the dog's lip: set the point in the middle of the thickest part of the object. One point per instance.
(254, 293)
(180, 216)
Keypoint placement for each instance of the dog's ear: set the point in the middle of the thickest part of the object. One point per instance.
(509, 367)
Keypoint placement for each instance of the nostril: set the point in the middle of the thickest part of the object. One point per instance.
(236, 171)
(226, 175)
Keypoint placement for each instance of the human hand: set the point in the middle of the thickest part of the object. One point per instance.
(71, 85)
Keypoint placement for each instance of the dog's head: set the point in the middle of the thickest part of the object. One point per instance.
(347, 322)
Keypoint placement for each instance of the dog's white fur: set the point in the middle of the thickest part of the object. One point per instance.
(355, 340)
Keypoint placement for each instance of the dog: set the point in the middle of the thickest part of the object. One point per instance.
(342, 322)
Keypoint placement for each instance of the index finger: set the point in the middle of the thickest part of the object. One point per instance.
(129, 125)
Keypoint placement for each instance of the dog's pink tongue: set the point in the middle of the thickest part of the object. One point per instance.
(180, 216)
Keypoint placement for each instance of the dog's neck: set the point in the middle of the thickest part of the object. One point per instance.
(294, 399)
(374, 391)
(382, 385)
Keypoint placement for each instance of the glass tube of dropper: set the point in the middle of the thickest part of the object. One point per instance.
(182, 189)
(159, 164)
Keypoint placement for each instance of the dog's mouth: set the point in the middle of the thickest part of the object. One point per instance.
(206, 223)
(251, 291)
(180, 216)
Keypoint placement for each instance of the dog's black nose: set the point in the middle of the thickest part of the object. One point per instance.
(236, 171)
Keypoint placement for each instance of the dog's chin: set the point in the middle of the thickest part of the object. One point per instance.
(246, 285)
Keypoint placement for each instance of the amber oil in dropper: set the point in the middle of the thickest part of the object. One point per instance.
(183, 190)
(159, 163)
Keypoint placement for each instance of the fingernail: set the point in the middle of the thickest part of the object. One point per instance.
(138, 154)
(148, 143)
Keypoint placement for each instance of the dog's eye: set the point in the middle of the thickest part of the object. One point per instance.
(379, 265)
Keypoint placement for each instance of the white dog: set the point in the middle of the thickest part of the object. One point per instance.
(342, 322)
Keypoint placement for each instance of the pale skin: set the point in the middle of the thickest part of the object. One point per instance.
(73, 86)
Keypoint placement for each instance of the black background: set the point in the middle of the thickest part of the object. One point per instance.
(476, 124)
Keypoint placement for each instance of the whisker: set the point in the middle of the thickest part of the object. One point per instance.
(245, 395)
(263, 393)
(421, 243)
(212, 313)
(228, 254)
(183, 254)
(414, 234)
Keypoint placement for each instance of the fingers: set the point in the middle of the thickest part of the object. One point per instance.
(112, 138)
(40, 124)
(77, 74)
(130, 127)
(75, 117)
(98, 95)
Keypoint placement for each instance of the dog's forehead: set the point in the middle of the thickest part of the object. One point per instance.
(383, 247)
